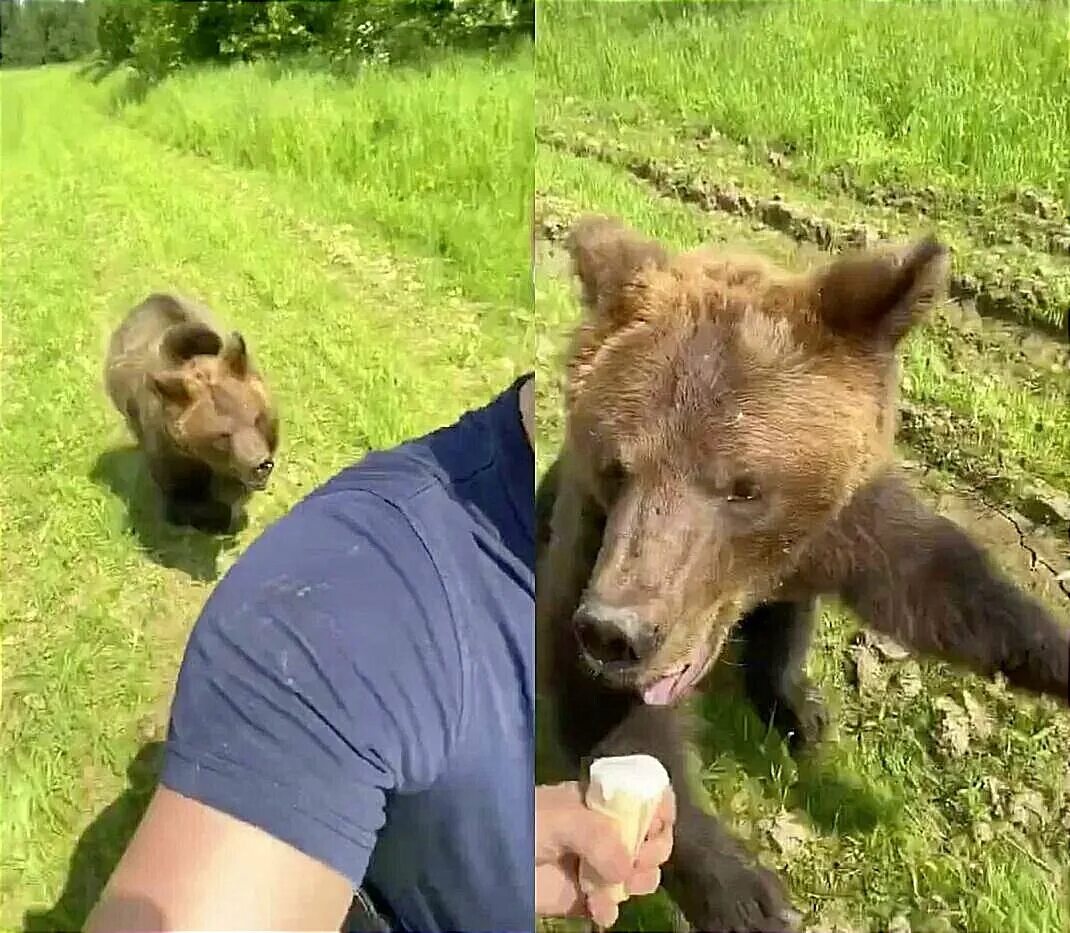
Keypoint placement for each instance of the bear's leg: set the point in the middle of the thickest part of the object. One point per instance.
(189, 501)
(709, 875)
(235, 496)
(199, 511)
(775, 641)
(917, 576)
(545, 499)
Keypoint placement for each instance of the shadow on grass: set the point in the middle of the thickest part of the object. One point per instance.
(100, 847)
(835, 799)
(96, 70)
(133, 90)
(122, 471)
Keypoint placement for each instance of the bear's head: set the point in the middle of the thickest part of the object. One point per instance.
(721, 412)
(215, 406)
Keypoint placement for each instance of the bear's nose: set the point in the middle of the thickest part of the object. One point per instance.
(264, 468)
(614, 639)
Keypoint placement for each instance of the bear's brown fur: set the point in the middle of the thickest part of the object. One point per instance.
(198, 407)
(728, 458)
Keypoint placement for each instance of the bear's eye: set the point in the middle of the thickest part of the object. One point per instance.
(744, 489)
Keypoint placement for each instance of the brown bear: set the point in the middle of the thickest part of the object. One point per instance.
(198, 408)
(727, 459)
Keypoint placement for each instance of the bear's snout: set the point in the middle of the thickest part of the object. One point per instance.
(261, 473)
(615, 641)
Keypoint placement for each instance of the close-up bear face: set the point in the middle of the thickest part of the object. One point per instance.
(726, 410)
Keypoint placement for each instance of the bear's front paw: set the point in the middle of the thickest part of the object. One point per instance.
(801, 718)
(797, 712)
(719, 892)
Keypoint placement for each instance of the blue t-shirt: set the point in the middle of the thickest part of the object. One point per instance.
(361, 682)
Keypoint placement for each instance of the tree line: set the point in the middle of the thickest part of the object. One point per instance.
(39, 32)
(157, 38)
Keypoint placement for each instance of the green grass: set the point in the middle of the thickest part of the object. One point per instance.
(381, 297)
(393, 146)
(971, 96)
(894, 825)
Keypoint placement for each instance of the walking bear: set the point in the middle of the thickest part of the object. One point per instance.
(198, 408)
(728, 458)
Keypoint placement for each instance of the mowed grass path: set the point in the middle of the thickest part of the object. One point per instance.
(367, 336)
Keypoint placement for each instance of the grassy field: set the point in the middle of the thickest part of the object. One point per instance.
(944, 802)
(371, 240)
(967, 95)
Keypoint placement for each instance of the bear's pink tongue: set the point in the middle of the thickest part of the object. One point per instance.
(671, 687)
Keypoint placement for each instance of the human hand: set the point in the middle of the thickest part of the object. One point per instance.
(567, 832)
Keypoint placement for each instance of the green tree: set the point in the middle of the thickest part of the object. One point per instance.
(158, 37)
(42, 31)
(24, 36)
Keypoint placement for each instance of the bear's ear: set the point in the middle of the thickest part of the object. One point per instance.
(235, 355)
(182, 342)
(608, 258)
(882, 294)
(170, 385)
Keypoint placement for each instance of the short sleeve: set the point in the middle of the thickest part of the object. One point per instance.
(324, 672)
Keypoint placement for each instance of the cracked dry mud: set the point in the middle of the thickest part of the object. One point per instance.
(1032, 554)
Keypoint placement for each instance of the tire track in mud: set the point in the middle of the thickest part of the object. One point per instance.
(1023, 349)
(1033, 218)
(994, 291)
(1025, 217)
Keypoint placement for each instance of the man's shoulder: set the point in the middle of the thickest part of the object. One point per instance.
(384, 480)
(376, 493)
(390, 521)
(348, 545)
(325, 668)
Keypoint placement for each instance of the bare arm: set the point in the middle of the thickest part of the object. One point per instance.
(191, 867)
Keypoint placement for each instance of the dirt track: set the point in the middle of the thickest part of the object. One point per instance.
(1039, 298)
